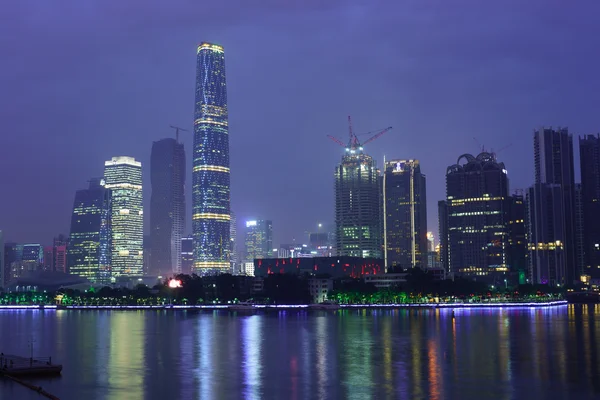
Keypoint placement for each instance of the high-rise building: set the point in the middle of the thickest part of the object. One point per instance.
(589, 156)
(2, 265)
(551, 210)
(167, 206)
(517, 237)
(123, 176)
(579, 232)
(55, 256)
(474, 234)
(233, 248)
(259, 240)
(88, 250)
(32, 258)
(358, 217)
(210, 186)
(405, 213)
(187, 255)
(13, 257)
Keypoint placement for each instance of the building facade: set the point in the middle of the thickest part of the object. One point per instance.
(88, 250)
(123, 177)
(474, 234)
(233, 256)
(187, 255)
(517, 238)
(589, 157)
(336, 267)
(211, 182)
(167, 206)
(405, 213)
(2, 264)
(258, 240)
(551, 210)
(358, 217)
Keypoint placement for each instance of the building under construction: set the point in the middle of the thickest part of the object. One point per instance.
(358, 216)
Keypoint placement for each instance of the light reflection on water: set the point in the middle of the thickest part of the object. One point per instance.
(354, 354)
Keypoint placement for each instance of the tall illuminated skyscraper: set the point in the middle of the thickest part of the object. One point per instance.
(88, 250)
(123, 176)
(167, 206)
(405, 233)
(474, 221)
(357, 206)
(210, 186)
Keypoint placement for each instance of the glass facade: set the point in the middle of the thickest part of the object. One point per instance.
(259, 240)
(474, 234)
(89, 241)
(357, 207)
(123, 176)
(405, 214)
(167, 206)
(210, 185)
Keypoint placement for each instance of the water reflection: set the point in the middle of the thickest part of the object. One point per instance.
(425, 354)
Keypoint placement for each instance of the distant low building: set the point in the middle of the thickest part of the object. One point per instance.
(386, 280)
(343, 266)
(320, 288)
(50, 281)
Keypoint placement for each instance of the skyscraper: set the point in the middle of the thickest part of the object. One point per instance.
(357, 206)
(405, 206)
(2, 265)
(259, 239)
(123, 176)
(551, 209)
(167, 206)
(474, 234)
(187, 254)
(88, 250)
(589, 151)
(517, 237)
(233, 248)
(210, 186)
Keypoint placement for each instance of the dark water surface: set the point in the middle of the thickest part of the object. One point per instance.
(549, 353)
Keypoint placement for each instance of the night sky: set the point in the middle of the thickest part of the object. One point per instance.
(83, 81)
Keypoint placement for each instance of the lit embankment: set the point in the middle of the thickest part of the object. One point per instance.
(513, 304)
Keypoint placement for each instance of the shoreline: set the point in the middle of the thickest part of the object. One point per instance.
(259, 307)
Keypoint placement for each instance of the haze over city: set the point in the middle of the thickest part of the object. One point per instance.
(85, 81)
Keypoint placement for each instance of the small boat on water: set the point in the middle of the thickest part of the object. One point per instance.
(326, 305)
(242, 306)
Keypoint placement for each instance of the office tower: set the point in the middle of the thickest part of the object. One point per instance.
(551, 210)
(357, 206)
(210, 186)
(589, 156)
(123, 177)
(579, 233)
(187, 254)
(32, 258)
(13, 256)
(473, 220)
(167, 206)
(259, 239)
(88, 250)
(405, 213)
(2, 264)
(55, 256)
(517, 237)
(233, 247)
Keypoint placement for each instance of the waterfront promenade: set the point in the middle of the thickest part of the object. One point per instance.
(511, 304)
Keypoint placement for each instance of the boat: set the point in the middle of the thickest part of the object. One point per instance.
(326, 305)
(242, 306)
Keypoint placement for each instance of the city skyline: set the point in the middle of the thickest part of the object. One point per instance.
(419, 101)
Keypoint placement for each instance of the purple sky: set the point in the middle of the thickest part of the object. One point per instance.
(88, 80)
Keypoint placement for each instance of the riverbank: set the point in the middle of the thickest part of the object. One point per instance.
(294, 306)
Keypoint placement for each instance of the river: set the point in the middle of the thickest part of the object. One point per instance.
(523, 353)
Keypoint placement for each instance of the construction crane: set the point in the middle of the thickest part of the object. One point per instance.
(353, 142)
(177, 129)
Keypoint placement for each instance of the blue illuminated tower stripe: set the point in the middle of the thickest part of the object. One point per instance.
(210, 174)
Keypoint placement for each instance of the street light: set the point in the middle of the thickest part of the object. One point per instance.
(505, 284)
